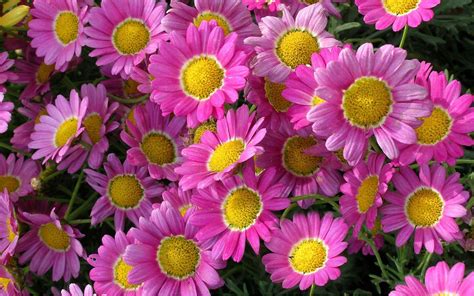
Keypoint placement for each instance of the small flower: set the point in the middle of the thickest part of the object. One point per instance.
(9, 230)
(16, 175)
(179, 199)
(6, 109)
(8, 284)
(5, 74)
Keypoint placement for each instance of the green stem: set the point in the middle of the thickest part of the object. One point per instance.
(53, 175)
(128, 101)
(287, 211)
(74, 194)
(329, 200)
(377, 256)
(422, 262)
(465, 161)
(85, 206)
(404, 36)
(375, 146)
(312, 291)
(8, 147)
(425, 265)
(80, 221)
(68, 82)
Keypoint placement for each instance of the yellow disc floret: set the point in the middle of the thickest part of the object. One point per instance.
(201, 77)
(296, 160)
(434, 128)
(366, 193)
(65, 132)
(225, 154)
(201, 129)
(121, 271)
(54, 237)
(400, 7)
(273, 93)
(241, 208)
(130, 37)
(10, 183)
(424, 207)
(43, 73)
(295, 48)
(308, 256)
(66, 27)
(93, 123)
(178, 257)
(125, 191)
(367, 102)
(210, 16)
(158, 148)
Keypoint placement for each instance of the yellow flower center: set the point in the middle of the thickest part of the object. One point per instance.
(158, 148)
(130, 37)
(424, 207)
(40, 113)
(4, 282)
(241, 208)
(65, 131)
(121, 271)
(125, 191)
(296, 161)
(225, 154)
(184, 209)
(295, 48)
(131, 116)
(178, 257)
(11, 233)
(366, 193)
(273, 93)
(308, 256)
(54, 238)
(43, 73)
(93, 123)
(66, 27)
(130, 88)
(201, 77)
(204, 127)
(209, 16)
(317, 101)
(367, 102)
(399, 7)
(10, 183)
(434, 128)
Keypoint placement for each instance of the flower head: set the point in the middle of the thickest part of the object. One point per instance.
(9, 230)
(16, 174)
(5, 74)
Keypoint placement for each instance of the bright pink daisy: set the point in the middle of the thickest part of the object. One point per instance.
(439, 280)
(238, 210)
(155, 141)
(271, 5)
(426, 205)
(75, 290)
(8, 284)
(230, 15)
(142, 80)
(16, 174)
(123, 32)
(197, 74)
(179, 199)
(57, 130)
(5, 74)
(396, 13)
(443, 134)
(6, 109)
(306, 250)
(288, 42)
(367, 94)
(362, 191)
(356, 245)
(57, 30)
(97, 124)
(110, 272)
(326, 4)
(126, 191)
(301, 86)
(50, 244)
(9, 230)
(302, 172)
(167, 257)
(217, 155)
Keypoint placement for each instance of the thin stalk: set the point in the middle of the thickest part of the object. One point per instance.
(287, 211)
(377, 256)
(312, 291)
(425, 265)
(52, 176)
(329, 200)
(128, 101)
(85, 206)
(74, 194)
(422, 262)
(80, 221)
(404, 36)
(68, 82)
(465, 161)
(375, 146)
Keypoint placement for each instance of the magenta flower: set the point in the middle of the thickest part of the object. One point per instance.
(179, 199)
(126, 191)
(217, 155)
(74, 290)
(9, 285)
(306, 251)
(168, 259)
(6, 109)
(9, 230)
(5, 74)
(16, 175)
(22, 133)
(426, 205)
(238, 210)
(197, 74)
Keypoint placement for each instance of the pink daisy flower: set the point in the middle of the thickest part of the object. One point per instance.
(33, 111)
(442, 134)
(155, 141)
(179, 199)
(9, 230)
(142, 79)
(217, 155)
(123, 32)
(230, 15)
(238, 210)
(326, 4)
(126, 191)
(197, 74)
(16, 174)
(5, 75)
(426, 205)
(302, 172)
(50, 244)
(271, 5)
(110, 272)
(396, 13)
(356, 245)
(57, 30)
(288, 42)
(8, 284)
(439, 280)
(301, 86)
(168, 259)
(306, 250)
(75, 290)
(57, 130)
(6, 109)
(97, 125)
(362, 191)
(367, 94)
